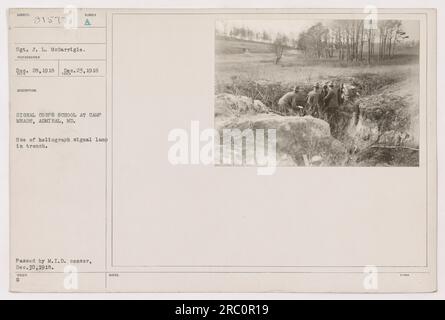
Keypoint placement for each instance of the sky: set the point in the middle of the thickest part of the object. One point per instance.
(412, 28)
(294, 27)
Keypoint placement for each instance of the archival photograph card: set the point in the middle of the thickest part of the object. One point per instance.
(223, 150)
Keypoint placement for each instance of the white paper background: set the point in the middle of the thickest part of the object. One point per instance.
(4, 137)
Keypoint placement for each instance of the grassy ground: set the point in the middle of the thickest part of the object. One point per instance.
(258, 64)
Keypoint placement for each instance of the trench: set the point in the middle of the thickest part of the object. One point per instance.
(374, 124)
(376, 137)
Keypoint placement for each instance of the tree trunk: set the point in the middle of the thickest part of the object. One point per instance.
(369, 46)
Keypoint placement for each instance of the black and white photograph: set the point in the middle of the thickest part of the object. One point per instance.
(337, 92)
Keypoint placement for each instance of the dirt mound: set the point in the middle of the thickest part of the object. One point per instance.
(381, 132)
(388, 156)
(229, 105)
(268, 92)
(301, 141)
(392, 115)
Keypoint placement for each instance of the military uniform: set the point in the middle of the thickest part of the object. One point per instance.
(323, 94)
(313, 103)
(331, 102)
(291, 101)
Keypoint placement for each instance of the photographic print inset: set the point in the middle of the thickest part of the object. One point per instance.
(336, 92)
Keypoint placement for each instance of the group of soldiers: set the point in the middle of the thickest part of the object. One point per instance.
(322, 102)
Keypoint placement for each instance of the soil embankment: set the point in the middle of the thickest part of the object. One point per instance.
(376, 126)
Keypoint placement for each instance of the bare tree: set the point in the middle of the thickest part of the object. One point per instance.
(279, 45)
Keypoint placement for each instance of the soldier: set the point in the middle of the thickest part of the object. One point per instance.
(331, 102)
(313, 101)
(323, 94)
(292, 101)
(341, 94)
